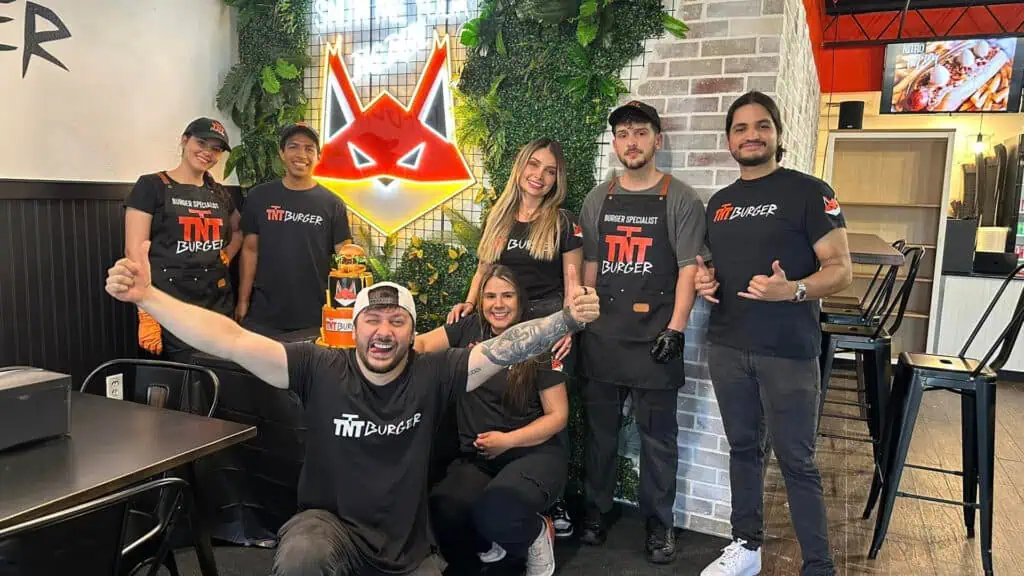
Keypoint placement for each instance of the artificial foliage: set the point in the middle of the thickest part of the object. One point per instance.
(550, 68)
(437, 275)
(263, 92)
(553, 69)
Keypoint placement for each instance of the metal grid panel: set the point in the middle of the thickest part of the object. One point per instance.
(359, 29)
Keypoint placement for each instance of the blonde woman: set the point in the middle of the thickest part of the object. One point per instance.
(539, 242)
(528, 232)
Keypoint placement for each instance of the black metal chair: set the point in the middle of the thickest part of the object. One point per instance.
(873, 344)
(838, 308)
(975, 382)
(161, 384)
(87, 540)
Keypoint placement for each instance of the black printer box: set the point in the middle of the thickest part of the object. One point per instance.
(35, 404)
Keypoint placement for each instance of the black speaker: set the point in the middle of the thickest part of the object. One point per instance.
(851, 115)
(958, 253)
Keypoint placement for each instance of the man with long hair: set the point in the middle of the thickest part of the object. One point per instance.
(642, 234)
(779, 242)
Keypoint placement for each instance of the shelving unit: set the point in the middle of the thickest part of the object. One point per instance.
(895, 184)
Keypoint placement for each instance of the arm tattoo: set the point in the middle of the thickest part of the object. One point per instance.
(528, 339)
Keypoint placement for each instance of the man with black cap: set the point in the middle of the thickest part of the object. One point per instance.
(370, 415)
(642, 234)
(293, 227)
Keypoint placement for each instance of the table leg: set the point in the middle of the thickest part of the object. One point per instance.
(200, 530)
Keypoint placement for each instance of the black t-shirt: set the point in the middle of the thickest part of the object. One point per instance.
(298, 230)
(485, 409)
(540, 278)
(750, 224)
(368, 447)
(191, 224)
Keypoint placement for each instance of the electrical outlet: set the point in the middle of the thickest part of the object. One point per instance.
(115, 386)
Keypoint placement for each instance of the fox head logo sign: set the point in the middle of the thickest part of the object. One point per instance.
(391, 163)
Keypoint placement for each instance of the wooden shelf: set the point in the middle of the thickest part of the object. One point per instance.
(889, 205)
(894, 184)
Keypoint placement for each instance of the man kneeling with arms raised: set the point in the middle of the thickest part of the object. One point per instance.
(370, 416)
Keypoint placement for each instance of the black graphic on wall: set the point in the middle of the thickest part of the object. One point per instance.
(33, 40)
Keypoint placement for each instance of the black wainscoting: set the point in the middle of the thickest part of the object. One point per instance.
(57, 240)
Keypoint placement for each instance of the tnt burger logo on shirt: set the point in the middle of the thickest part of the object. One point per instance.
(200, 230)
(627, 251)
(355, 426)
(728, 211)
(278, 214)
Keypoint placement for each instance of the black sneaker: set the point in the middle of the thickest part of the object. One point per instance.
(560, 518)
(661, 543)
(593, 528)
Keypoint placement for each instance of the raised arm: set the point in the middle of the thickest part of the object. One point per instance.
(529, 339)
(130, 281)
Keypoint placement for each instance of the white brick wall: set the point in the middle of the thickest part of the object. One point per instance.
(732, 47)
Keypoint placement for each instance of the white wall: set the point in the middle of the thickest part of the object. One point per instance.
(138, 72)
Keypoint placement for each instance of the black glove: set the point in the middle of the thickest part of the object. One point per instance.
(667, 346)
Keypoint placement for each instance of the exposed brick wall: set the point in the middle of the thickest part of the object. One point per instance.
(732, 47)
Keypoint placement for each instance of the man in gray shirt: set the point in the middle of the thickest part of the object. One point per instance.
(642, 233)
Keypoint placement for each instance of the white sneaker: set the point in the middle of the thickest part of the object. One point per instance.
(736, 560)
(495, 554)
(540, 560)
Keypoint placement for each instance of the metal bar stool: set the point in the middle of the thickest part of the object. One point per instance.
(975, 382)
(874, 345)
(850, 309)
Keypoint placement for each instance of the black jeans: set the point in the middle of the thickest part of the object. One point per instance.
(655, 414)
(316, 543)
(755, 392)
(484, 501)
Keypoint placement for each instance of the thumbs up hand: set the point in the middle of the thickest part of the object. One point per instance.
(585, 305)
(128, 280)
(774, 288)
(705, 282)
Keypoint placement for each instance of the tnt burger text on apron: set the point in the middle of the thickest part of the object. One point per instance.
(636, 282)
(189, 233)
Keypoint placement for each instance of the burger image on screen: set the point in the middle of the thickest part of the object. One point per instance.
(960, 76)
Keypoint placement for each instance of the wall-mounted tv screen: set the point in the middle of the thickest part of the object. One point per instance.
(961, 75)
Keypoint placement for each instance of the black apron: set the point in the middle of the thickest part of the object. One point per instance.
(636, 282)
(193, 228)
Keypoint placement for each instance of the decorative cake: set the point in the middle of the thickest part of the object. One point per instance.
(348, 277)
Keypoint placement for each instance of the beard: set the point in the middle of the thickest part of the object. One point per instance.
(765, 156)
(637, 162)
(400, 354)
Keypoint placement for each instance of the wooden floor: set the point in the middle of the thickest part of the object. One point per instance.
(923, 537)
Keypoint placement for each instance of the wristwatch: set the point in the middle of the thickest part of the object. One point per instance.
(801, 292)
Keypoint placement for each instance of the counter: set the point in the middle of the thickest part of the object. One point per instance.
(962, 301)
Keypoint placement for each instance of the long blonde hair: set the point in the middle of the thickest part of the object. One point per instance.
(546, 228)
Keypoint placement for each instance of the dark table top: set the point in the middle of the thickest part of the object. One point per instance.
(112, 444)
(870, 249)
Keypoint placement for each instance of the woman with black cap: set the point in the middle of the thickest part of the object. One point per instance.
(192, 223)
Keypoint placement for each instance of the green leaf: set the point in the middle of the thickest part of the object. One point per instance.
(674, 26)
(470, 35)
(586, 31)
(269, 80)
(499, 44)
(578, 55)
(286, 69)
(588, 9)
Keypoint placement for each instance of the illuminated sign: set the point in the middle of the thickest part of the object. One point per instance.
(391, 163)
(412, 21)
